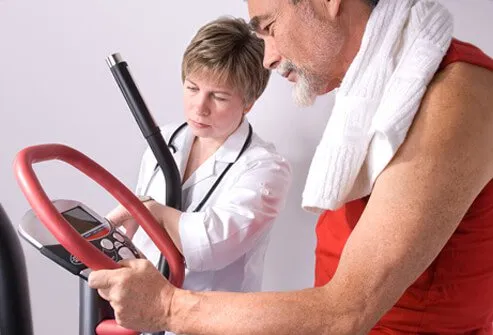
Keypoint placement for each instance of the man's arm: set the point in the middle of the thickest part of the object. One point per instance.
(416, 205)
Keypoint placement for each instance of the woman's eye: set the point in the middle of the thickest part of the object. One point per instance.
(219, 98)
(193, 89)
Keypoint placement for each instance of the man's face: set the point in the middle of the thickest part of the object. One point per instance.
(301, 43)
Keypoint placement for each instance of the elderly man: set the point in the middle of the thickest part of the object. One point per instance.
(402, 177)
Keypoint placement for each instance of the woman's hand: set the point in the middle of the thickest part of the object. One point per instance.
(166, 216)
(120, 217)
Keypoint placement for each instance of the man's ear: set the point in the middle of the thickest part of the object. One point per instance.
(327, 9)
(334, 7)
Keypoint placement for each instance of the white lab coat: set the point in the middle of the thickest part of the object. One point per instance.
(223, 245)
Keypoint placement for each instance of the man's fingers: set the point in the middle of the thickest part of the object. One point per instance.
(126, 263)
(104, 294)
(99, 279)
(133, 263)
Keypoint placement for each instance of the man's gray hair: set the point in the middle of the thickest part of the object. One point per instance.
(372, 3)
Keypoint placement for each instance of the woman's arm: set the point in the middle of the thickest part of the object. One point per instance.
(241, 214)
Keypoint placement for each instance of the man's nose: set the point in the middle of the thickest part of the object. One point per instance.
(272, 57)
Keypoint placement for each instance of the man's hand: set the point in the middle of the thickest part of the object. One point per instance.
(138, 293)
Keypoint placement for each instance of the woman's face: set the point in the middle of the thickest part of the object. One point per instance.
(212, 109)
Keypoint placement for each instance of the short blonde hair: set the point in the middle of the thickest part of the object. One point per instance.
(229, 50)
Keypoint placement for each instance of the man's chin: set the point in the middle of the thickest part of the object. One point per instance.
(303, 100)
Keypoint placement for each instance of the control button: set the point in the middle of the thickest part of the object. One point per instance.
(107, 244)
(118, 237)
(118, 244)
(125, 253)
(111, 254)
(74, 260)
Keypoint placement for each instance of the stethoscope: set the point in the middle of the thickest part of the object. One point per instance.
(173, 148)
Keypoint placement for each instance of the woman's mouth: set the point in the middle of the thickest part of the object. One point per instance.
(199, 124)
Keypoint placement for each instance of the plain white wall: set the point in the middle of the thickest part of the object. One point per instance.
(56, 87)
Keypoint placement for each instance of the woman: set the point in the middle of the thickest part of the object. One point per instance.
(223, 238)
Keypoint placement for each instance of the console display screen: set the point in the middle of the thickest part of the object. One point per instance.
(80, 219)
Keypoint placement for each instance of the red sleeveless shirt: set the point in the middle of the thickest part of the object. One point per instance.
(455, 294)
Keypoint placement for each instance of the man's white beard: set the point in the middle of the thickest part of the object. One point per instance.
(303, 94)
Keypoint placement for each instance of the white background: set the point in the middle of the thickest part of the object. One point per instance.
(56, 87)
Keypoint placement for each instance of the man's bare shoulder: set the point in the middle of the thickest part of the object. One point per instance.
(457, 105)
(465, 85)
(454, 125)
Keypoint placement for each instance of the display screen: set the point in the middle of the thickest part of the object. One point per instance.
(80, 219)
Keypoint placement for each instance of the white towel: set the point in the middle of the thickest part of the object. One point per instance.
(402, 48)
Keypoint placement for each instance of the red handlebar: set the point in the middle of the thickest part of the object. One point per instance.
(110, 327)
(67, 235)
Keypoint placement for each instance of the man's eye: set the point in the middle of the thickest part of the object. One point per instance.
(269, 28)
(193, 89)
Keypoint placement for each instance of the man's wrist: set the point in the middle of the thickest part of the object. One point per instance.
(182, 311)
(172, 299)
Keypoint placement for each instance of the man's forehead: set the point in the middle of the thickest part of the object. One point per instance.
(261, 9)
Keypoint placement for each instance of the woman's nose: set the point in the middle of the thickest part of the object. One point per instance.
(203, 112)
(202, 107)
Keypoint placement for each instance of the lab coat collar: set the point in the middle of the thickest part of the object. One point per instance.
(183, 144)
(206, 170)
(229, 151)
(214, 165)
